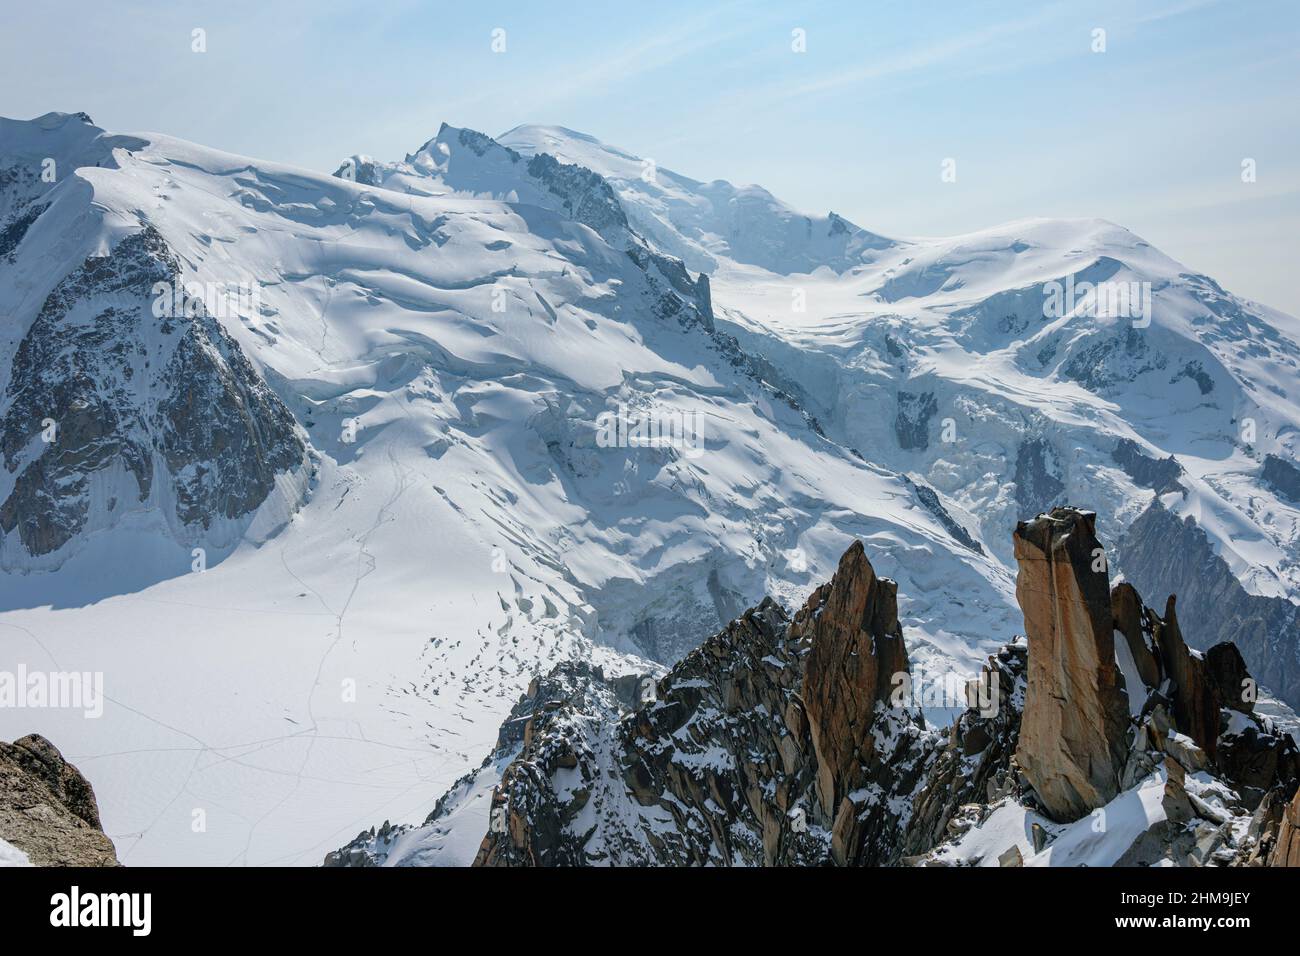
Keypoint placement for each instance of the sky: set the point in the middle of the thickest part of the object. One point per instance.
(1148, 124)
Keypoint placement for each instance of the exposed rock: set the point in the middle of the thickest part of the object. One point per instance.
(1230, 682)
(786, 741)
(1195, 706)
(855, 652)
(774, 742)
(964, 773)
(1283, 475)
(1286, 849)
(1161, 554)
(1177, 807)
(1200, 709)
(930, 499)
(104, 395)
(585, 196)
(48, 809)
(1130, 621)
(1072, 737)
(912, 423)
(1255, 757)
(1037, 477)
(1105, 360)
(1211, 699)
(1159, 474)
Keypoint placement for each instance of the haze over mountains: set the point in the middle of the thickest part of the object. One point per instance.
(319, 532)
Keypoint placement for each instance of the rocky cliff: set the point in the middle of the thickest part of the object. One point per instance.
(1072, 742)
(126, 395)
(1162, 554)
(795, 741)
(48, 809)
(770, 744)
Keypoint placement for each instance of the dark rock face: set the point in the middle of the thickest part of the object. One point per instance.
(16, 228)
(1105, 360)
(1037, 477)
(1159, 474)
(1195, 705)
(48, 809)
(1283, 475)
(21, 204)
(912, 423)
(930, 499)
(360, 170)
(1162, 555)
(1195, 372)
(1209, 698)
(672, 757)
(1072, 738)
(586, 196)
(572, 687)
(1131, 621)
(170, 398)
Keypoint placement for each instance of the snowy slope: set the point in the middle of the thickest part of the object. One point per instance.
(961, 361)
(458, 527)
(708, 224)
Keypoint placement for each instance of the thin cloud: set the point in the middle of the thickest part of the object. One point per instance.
(921, 58)
(1177, 10)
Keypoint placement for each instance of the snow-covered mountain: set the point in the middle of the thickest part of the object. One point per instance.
(993, 384)
(465, 518)
(474, 413)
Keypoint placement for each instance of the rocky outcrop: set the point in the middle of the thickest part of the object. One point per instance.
(793, 742)
(48, 809)
(1283, 476)
(1131, 622)
(1286, 848)
(108, 400)
(855, 658)
(912, 423)
(775, 742)
(929, 498)
(1195, 705)
(1159, 474)
(974, 769)
(1072, 737)
(1037, 476)
(1161, 554)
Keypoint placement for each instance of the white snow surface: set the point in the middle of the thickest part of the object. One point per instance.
(1098, 839)
(10, 855)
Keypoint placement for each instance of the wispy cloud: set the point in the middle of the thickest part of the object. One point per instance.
(1176, 10)
(928, 56)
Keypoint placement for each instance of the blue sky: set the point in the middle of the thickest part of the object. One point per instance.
(1151, 133)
